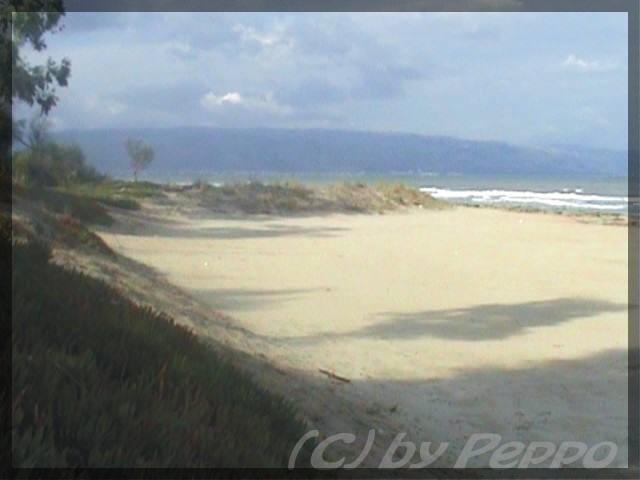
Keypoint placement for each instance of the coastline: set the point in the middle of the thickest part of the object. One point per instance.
(463, 293)
(603, 217)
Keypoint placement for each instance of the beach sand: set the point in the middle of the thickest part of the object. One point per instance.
(446, 323)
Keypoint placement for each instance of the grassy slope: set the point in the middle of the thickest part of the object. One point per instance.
(87, 201)
(100, 381)
(293, 198)
(83, 209)
(118, 193)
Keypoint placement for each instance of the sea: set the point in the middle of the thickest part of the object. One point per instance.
(575, 192)
(595, 194)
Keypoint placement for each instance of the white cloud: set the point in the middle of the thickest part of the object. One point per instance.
(211, 100)
(574, 62)
(266, 39)
(265, 103)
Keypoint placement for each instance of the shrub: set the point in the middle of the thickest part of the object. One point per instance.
(29, 171)
(53, 164)
(200, 184)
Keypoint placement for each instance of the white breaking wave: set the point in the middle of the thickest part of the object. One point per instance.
(564, 199)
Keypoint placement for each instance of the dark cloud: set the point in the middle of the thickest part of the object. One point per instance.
(315, 91)
(371, 82)
(181, 98)
(378, 81)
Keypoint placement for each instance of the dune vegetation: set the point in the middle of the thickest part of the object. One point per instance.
(100, 381)
(296, 198)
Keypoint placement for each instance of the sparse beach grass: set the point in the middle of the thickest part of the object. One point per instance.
(120, 188)
(296, 198)
(119, 193)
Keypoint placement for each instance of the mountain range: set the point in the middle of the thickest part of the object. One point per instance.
(210, 150)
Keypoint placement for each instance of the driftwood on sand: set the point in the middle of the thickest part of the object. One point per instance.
(334, 376)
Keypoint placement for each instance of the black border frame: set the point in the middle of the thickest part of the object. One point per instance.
(632, 8)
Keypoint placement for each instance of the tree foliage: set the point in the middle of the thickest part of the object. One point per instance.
(140, 154)
(33, 84)
(24, 23)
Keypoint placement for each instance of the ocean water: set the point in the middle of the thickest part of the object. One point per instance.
(573, 193)
(582, 193)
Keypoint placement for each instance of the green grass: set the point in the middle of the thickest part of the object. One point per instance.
(86, 201)
(100, 381)
(118, 190)
(116, 193)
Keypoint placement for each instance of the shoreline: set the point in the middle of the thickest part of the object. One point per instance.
(608, 218)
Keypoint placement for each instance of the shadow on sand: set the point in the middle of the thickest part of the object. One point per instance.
(583, 400)
(177, 229)
(580, 399)
(237, 299)
(477, 323)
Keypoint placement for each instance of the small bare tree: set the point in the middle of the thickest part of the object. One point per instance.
(140, 154)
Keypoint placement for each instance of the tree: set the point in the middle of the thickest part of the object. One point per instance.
(22, 23)
(140, 154)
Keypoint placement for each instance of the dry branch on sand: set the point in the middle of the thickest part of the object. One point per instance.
(334, 376)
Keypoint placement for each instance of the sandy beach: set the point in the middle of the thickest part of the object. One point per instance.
(446, 323)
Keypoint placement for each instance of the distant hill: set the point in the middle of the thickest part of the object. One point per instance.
(210, 150)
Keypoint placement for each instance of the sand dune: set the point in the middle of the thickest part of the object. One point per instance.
(446, 322)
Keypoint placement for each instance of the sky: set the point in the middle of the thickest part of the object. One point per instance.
(524, 78)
